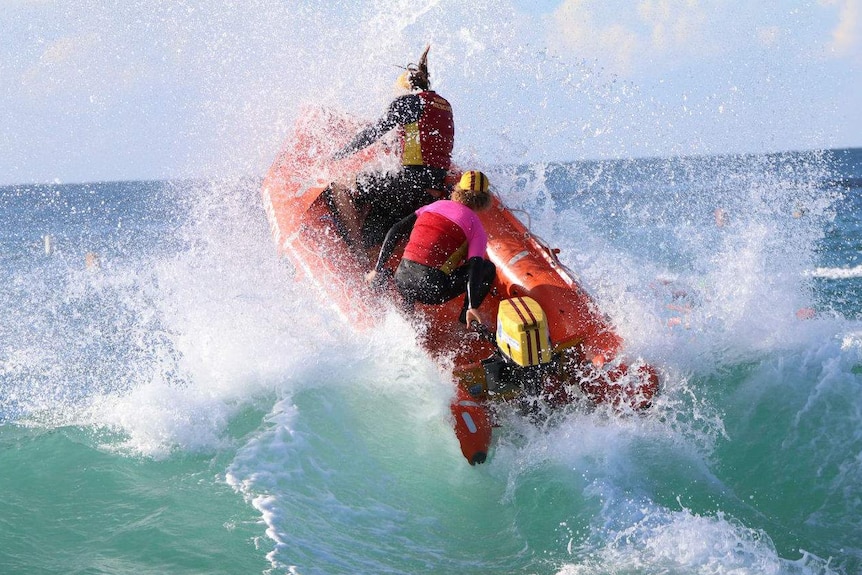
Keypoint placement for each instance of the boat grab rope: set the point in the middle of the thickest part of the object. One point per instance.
(552, 253)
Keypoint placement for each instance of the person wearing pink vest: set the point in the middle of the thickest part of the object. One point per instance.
(445, 254)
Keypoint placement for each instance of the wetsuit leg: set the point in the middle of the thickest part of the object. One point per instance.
(344, 218)
(388, 205)
(337, 221)
(393, 197)
(420, 283)
(459, 278)
(431, 286)
(370, 188)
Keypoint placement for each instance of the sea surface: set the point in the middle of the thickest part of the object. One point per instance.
(174, 400)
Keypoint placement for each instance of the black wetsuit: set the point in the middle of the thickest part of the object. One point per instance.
(391, 196)
(430, 285)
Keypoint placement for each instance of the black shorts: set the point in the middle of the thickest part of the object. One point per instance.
(389, 197)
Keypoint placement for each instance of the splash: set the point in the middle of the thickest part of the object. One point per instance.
(202, 344)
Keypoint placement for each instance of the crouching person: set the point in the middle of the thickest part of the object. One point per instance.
(445, 255)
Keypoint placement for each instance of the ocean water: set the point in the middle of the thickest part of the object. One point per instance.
(174, 400)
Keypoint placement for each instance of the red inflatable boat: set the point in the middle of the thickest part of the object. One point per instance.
(551, 344)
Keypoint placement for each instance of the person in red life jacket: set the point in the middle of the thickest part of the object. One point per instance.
(427, 132)
(445, 255)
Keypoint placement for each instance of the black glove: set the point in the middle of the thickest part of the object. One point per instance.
(381, 278)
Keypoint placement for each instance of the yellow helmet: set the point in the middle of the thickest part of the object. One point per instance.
(415, 76)
(474, 181)
(472, 191)
(403, 81)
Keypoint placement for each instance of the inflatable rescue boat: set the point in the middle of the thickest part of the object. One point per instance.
(551, 345)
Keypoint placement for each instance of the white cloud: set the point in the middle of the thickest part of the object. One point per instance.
(577, 30)
(674, 23)
(628, 37)
(61, 63)
(846, 34)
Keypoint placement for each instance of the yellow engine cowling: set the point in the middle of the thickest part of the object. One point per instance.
(522, 331)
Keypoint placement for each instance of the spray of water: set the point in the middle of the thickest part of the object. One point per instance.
(700, 262)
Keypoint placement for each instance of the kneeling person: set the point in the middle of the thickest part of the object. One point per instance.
(445, 255)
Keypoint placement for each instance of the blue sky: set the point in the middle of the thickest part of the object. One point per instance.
(112, 90)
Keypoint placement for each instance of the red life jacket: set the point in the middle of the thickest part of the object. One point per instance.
(429, 140)
(436, 242)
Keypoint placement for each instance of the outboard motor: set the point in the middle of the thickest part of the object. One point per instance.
(523, 359)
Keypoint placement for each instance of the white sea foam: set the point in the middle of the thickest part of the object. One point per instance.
(682, 542)
(837, 273)
(234, 327)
